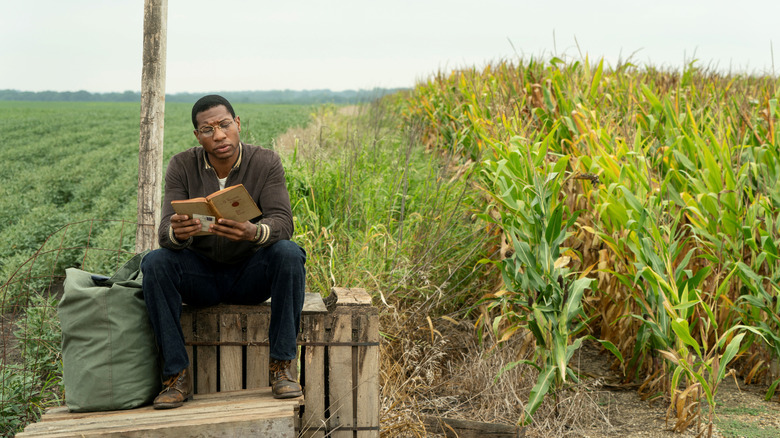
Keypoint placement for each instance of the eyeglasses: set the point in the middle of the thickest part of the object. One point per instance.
(208, 130)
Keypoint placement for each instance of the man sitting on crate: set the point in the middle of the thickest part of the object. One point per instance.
(240, 263)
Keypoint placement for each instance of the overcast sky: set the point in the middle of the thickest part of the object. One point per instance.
(234, 45)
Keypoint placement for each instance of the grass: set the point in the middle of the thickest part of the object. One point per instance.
(374, 210)
(742, 410)
(744, 421)
(739, 429)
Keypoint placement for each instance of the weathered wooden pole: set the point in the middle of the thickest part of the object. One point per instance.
(152, 124)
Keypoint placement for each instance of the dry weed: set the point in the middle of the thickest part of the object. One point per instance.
(436, 367)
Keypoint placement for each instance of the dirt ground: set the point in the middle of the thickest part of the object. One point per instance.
(741, 411)
(453, 378)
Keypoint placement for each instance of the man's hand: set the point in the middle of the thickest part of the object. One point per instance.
(184, 227)
(234, 230)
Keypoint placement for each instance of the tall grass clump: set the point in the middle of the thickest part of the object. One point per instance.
(663, 190)
(374, 210)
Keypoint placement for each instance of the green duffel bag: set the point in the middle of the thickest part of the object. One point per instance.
(109, 354)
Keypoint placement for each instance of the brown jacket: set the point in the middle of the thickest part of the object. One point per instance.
(190, 175)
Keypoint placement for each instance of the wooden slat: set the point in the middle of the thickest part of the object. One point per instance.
(206, 330)
(62, 413)
(257, 355)
(220, 424)
(368, 376)
(451, 427)
(313, 363)
(352, 296)
(341, 419)
(312, 303)
(228, 415)
(230, 357)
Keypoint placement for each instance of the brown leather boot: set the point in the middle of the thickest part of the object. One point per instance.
(282, 383)
(177, 390)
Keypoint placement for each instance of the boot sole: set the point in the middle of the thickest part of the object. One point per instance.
(172, 405)
(288, 395)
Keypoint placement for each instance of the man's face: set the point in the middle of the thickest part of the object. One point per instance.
(218, 134)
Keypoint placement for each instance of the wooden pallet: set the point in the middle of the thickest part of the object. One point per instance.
(224, 414)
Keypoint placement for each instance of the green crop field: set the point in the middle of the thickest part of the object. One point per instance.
(70, 162)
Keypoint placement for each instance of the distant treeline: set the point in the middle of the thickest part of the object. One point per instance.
(268, 97)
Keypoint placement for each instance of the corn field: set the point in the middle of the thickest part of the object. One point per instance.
(636, 207)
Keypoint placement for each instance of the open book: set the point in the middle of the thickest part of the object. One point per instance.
(232, 203)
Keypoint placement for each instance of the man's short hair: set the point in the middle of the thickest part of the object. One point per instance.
(206, 103)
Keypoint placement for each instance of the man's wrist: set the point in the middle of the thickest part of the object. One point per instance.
(176, 242)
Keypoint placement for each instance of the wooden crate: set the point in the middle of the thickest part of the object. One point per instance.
(338, 360)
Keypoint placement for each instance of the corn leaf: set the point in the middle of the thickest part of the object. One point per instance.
(539, 390)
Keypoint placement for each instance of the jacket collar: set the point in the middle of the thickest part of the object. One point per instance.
(235, 165)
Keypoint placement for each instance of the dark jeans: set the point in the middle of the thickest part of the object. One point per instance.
(172, 277)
